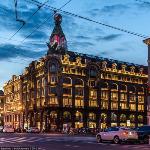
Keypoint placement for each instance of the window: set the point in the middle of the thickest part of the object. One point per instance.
(113, 117)
(93, 73)
(67, 101)
(67, 91)
(132, 97)
(52, 90)
(91, 83)
(93, 103)
(114, 96)
(79, 103)
(79, 91)
(141, 99)
(93, 93)
(140, 107)
(53, 68)
(104, 104)
(123, 105)
(114, 105)
(104, 94)
(53, 101)
(132, 107)
(92, 116)
(123, 117)
(123, 96)
(67, 81)
(53, 79)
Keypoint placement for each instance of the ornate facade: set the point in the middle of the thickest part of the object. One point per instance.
(13, 103)
(2, 99)
(80, 90)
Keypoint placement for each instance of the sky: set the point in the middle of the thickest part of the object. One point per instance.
(82, 36)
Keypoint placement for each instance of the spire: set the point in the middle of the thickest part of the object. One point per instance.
(58, 40)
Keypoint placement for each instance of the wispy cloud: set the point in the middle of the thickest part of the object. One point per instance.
(108, 37)
(12, 51)
(109, 10)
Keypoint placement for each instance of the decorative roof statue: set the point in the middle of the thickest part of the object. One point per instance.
(58, 42)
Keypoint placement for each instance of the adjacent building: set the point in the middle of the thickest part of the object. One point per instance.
(79, 90)
(2, 99)
(13, 111)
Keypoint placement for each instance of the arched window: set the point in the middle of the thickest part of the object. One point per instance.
(92, 116)
(79, 82)
(67, 115)
(79, 116)
(93, 72)
(123, 117)
(132, 118)
(103, 117)
(53, 114)
(113, 117)
(67, 80)
(140, 118)
(123, 88)
(53, 68)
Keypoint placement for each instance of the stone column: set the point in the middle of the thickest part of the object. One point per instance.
(147, 41)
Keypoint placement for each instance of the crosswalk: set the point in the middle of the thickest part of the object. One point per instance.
(28, 139)
(66, 140)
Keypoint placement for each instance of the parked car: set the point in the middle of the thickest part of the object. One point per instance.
(143, 133)
(1, 128)
(33, 130)
(9, 129)
(117, 135)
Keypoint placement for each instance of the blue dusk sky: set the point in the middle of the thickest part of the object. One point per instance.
(82, 36)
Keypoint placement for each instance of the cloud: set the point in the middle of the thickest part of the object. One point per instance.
(109, 10)
(11, 51)
(108, 37)
(120, 49)
(81, 37)
(142, 5)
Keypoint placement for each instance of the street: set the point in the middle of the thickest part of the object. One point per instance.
(61, 142)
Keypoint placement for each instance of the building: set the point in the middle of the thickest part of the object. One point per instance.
(13, 104)
(147, 41)
(2, 99)
(65, 87)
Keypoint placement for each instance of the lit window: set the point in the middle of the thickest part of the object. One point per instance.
(79, 103)
(67, 101)
(93, 103)
(53, 101)
(93, 93)
(132, 107)
(114, 105)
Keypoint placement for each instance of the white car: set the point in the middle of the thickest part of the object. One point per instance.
(8, 129)
(117, 135)
(33, 130)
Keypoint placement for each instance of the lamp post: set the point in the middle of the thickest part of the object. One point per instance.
(147, 41)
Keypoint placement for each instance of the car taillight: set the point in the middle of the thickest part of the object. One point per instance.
(125, 132)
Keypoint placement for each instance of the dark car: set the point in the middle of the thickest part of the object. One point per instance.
(143, 133)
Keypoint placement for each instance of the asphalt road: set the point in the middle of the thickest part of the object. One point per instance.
(61, 142)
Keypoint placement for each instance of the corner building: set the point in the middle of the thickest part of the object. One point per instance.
(80, 90)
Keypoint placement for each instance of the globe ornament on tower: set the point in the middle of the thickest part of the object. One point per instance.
(57, 18)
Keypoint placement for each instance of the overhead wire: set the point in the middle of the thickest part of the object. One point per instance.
(88, 19)
(37, 27)
(39, 7)
(146, 2)
(43, 42)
